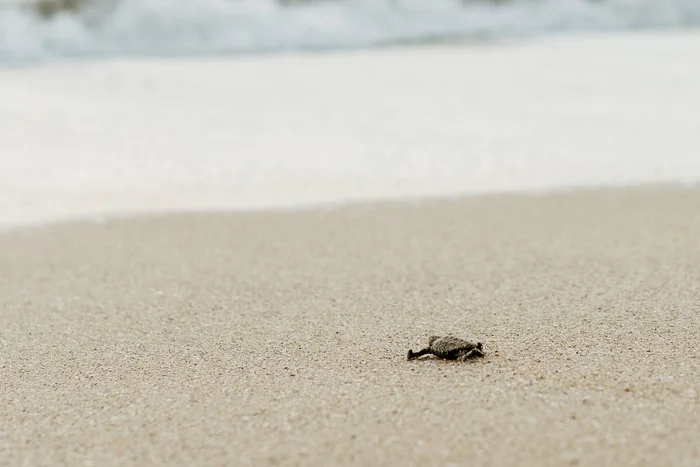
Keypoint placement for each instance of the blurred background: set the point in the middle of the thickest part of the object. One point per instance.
(31, 29)
(122, 106)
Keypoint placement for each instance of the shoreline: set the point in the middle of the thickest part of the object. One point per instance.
(104, 216)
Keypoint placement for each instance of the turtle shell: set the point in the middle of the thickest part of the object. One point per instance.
(449, 347)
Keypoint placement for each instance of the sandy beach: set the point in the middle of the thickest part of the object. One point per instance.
(200, 263)
(280, 337)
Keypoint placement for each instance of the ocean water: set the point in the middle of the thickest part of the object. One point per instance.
(150, 105)
(95, 137)
(216, 27)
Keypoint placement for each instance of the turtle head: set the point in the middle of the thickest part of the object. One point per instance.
(432, 339)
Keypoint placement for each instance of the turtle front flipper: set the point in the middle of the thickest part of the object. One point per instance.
(413, 355)
(473, 353)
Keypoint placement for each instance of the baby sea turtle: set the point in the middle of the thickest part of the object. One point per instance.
(449, 348)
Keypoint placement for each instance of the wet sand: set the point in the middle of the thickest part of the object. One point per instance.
(279, 337)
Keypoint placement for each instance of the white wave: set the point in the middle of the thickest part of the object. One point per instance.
(181, 27)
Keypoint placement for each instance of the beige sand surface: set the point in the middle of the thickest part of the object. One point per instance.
(280, 338)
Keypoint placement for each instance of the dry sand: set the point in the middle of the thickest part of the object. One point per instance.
(281, 337)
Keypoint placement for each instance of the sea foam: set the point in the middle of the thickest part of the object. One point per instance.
(131, 135)
(182, 27)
